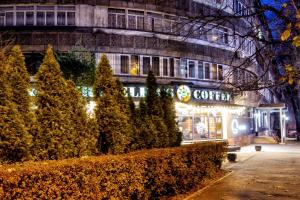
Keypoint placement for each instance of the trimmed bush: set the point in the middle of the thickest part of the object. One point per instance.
(140, 175)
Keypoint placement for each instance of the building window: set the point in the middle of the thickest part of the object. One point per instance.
(182, 68)
(40, 18)
(116, 18)
(220, 72)
(135, 65)
(207, 70)
(155, 66)
(146, 65)
(71, 18)
(50, 19)
(2, 18)
(165, 67)
(172, 67)
(20, 19)
(29, 18)
(200, 70)
(9, 19)
(136, 20)
(155, 22)
(61, 18)
(214, 72)
(192, 69)
(124, 64)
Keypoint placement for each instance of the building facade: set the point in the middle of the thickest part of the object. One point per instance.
(194, 60)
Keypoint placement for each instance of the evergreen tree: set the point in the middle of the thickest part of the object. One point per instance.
(152, 96)
(121, 98)
(175, 136)
(19, 79)
(14, 139)
(54, 141)
(155, 111)
(113, 124)
(147, 136)
(83, 138)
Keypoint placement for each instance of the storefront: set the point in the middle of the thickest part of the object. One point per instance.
(205, 114)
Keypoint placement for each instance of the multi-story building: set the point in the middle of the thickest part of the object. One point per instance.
(194, 60)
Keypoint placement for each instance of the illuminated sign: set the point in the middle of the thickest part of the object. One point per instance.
(184, 93)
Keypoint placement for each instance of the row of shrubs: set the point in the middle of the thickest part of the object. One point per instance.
(55, 125)
(147, 174)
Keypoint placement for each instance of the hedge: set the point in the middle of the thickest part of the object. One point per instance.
(145, 174)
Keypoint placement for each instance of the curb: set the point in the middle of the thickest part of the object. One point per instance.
(206, 187)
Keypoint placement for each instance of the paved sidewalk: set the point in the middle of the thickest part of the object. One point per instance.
(273, 173)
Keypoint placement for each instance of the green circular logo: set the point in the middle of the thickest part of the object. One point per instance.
(184, 93)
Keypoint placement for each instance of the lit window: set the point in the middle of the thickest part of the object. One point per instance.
(214, 72)
(135, 65)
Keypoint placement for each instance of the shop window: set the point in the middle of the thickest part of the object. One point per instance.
(124, 64)
(155, 66)
(185, 125)
(200, 128)
(136, 20)
(116, 18)
(207, 70)
(146, 65)
(135, 65)
(172, 67)
(200, 70)
(165, 67)
(192, 69)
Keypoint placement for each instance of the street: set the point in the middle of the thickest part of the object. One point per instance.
(273, 173)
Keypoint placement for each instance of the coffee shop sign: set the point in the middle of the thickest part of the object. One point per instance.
(185, 93)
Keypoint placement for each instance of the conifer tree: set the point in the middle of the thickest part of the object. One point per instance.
(53, 140)
(147, 133)
(113, 123)
(121, 98)
(19, 79)
(155, 111)
(175, 136)
(15, 141)
(83, 138)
